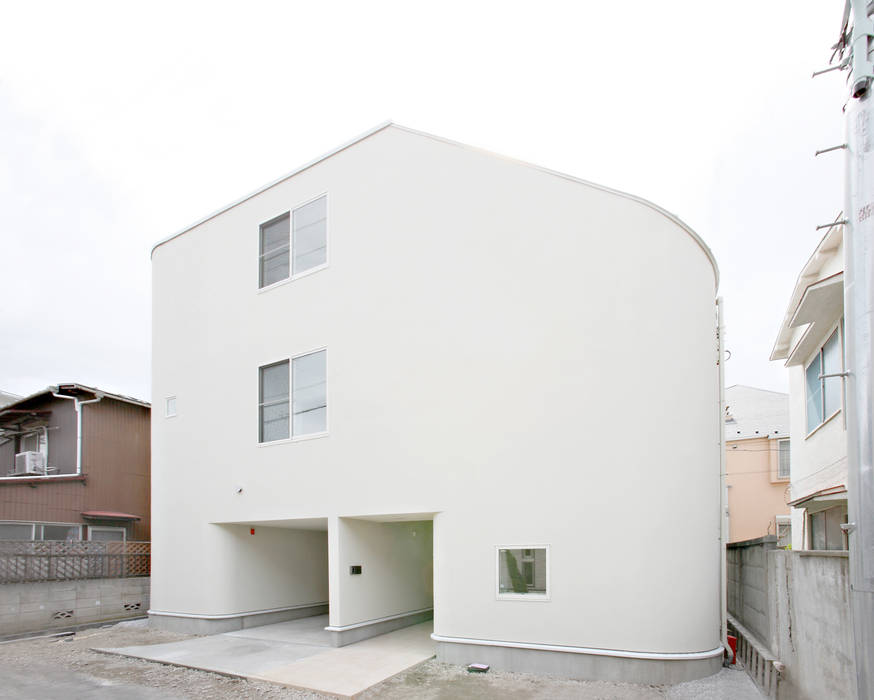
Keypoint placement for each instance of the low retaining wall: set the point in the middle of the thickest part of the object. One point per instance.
(748, 581)
(50, 605)
(795, 605)
(814, 627)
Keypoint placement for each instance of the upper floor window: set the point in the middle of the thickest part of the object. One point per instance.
(295, 404)
(824, 394)
(294, 242)
(783, 459)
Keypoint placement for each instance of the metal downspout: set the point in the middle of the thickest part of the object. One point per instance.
(77, 406)
(723, 500)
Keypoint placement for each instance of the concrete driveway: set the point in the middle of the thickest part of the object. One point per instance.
(297, 654)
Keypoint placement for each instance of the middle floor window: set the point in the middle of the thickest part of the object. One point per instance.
(293, 397)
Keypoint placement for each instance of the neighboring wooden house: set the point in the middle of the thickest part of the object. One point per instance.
(75, 464)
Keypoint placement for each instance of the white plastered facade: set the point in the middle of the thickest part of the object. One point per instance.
(818, 455)
(507, 349)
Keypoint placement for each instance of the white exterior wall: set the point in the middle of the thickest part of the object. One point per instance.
(819, 459)
(397, 561)
(506, 348)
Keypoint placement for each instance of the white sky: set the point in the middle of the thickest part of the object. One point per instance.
(122, 123)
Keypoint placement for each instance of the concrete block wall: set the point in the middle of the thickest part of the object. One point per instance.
(813, 631)
(34, 607)
(748, 589)
(797, 605)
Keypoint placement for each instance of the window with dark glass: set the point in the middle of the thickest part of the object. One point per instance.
(824, 392)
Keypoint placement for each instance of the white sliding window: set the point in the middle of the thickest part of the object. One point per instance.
(275, 246)
(273, 402)
(309, 394)
(310, 240)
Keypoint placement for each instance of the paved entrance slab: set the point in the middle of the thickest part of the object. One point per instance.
(297, 654)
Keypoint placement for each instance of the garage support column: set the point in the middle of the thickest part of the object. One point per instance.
(334, 570)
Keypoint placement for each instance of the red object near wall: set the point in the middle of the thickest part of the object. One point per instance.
(732, 642)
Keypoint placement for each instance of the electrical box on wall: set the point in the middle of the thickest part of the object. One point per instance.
(355, 569)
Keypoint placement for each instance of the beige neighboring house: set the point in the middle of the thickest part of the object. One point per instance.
(757, 463)
(811, 343)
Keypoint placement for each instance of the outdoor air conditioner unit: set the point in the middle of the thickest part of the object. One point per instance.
(30, 463)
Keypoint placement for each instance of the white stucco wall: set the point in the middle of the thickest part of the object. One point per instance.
(819, 457)
(528, 356)
(397, 563)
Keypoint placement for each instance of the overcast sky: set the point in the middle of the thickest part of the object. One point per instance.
(121, 123)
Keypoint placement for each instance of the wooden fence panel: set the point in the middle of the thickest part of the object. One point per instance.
(22, 562)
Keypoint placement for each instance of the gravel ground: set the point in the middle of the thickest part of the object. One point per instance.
(64, 668)
(436, 681)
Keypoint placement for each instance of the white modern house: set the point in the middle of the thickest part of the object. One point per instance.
(811, 344)
(413, 378)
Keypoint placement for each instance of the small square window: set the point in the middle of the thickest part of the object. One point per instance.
(523, 573)
(170, 407)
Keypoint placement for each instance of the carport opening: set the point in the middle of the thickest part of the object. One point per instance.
(385, 574)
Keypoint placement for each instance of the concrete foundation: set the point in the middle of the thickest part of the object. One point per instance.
(579, 665)
(349, 634)
(219, 624)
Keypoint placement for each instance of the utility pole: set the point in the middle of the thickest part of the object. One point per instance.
(859, 330)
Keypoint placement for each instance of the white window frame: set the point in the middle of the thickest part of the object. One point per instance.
(839, 329)
(309, 271)
(785, 520)
(292, 437)
(530, 597)
(781, 477)
(167, 412)
(93, 528)
(22, 522)
(42, 525)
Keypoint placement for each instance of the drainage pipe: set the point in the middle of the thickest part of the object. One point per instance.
(723, 500)
(77, 405)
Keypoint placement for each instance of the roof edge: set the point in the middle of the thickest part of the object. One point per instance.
(384, 125)
(103, 394)
(334, 151)
(757, 388)
(798, 291)
(603, 188)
